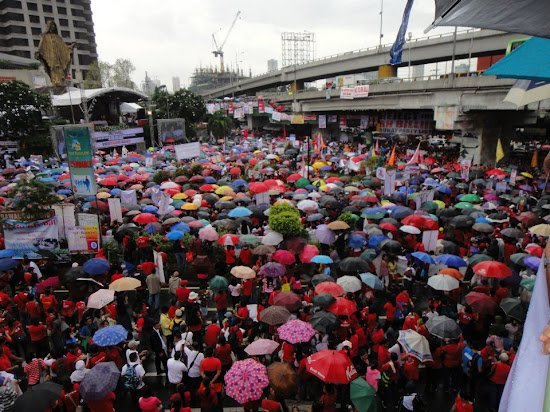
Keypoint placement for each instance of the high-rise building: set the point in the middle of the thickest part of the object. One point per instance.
(149, 85)
(176, 83)
(22, 21)
(272, 65)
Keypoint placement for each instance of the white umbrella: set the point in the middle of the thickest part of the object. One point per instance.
(410, 229)
(272, 238)
(349, 283)
(307, 204)
(169, 185)
(100, 298)
(415, 345)
(443, 282)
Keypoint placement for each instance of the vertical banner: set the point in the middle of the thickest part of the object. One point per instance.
(79, 150)
(389, 181)
(157, 258)
(128, 197)
(364, 122)
(343, 121)
(513, 176)
(261, 106)
(65, 218)
(322, 121)
(397, 48)
(429, 239)
(91, 227)
(231, 108)
(115, 210)
(465, 169)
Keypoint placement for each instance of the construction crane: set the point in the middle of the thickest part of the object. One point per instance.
(219, 49)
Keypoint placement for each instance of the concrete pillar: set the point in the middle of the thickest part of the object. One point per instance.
(299, 85)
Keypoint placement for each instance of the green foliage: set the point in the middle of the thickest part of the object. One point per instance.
(158, 240)
(93, 76)
(122, 73)
(219, 125)
(34, 199)
(287, 224)
(196, 169)
(20, 110)
(283, 208)
(183, 104)
(348, 218)
(160, 177)
(113, 253)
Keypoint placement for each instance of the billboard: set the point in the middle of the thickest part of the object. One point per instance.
(171, 130)
(27, 237)
(80, 153)
(118, 138)
(187, 150)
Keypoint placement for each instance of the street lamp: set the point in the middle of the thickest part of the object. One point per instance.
(409, 37)
(151, 128)
(167, 106)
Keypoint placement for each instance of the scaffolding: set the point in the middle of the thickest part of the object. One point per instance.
(298, 48)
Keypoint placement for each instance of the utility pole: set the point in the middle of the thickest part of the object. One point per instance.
(381, 21)
(409, 37)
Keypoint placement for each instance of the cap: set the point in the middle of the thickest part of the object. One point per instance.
(140, 267)
(347, 343)
(504, 357)
(193, 295)
(179, 313)
(133, 343)
(183, 282)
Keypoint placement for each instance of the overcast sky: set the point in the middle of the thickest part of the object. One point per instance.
(171, 37)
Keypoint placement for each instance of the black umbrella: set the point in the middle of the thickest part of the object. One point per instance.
(401, 212)
(450, 248)
(354, 264)
(320, 278)
(462, 222)
(39, 397)
(498, 217)
(398, 197)
(392, 246)
(391, 221)
(513, 233)
(324, 322)
(448, 213)
(83, 287)
(323, 299)
(73, 274)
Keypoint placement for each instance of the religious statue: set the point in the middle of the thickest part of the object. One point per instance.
(54, 54)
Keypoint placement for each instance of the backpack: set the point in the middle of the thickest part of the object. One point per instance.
(233, 340)
(471, 366)
(130, 378)
(176, 326)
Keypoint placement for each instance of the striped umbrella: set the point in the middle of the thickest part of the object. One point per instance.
(415, 345)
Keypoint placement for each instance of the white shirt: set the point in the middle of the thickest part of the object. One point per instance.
(194, 359)
(140, 372)
(176, 368)
(184, 342)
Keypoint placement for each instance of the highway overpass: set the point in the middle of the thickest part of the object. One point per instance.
(471, 43)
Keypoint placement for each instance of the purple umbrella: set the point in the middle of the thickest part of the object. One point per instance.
(99, 382)
(325, 235)
(273, 270)
(532, 262)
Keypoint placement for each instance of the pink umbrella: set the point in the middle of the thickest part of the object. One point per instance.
(284, 257)
(490, 196)
(295, 331)
(196, 223)
(208, 233)
(261, 347)
(308, 252)
(246, 380)
(52, 283)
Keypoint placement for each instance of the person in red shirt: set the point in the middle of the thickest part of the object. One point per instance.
(221, 305)
(404, 299)
(288, 353)
(211, 335)
(500, 371)
(452, 357)
(383, 352)
(246, 257)
(20, 300)
(183, 292)
(223, 353)
(5, 300)
(48, 300)
(207, 395)
(32, 307)
(462, 403)
(211, 369)
(501, 292)
(410, 321)
(103, 405)
(328, 399)
(80, 309)
(390, 373)
(376, 338)
(390, 312)
(38, 338)
(411, 369)
(97, 356)
(74, 355)
(248, 285)
(68, 310)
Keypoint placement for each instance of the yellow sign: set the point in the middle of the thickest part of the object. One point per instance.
(297, 119)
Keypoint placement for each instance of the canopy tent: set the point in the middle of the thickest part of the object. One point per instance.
(129, 108)
(526, 16)
(75, 96)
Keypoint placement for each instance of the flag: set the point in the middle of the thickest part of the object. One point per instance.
(377, 150)
(391, 162)
(416, 156)
(535, 159)
(500, 151)
(284, 131)
(373, 152)
(397, 48)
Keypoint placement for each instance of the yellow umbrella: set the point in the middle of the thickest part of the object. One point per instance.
(351, 189)
(318, 165)
(324, 188)
(189, 206)
(103, 195)
(338, 225)
(222, 189)
(281, 201)
(529, 175)
(318, 182)
(125, 283)
(180, 196)
(227, 198)
(540, 230)
(440, 204)
(243, 272)
(137, 187)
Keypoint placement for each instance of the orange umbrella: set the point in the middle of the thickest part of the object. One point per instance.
(451, 272)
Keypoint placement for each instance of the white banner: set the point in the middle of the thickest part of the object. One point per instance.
(27, 237)
(347, 93)
(389, 181)
(361, 91)
(429, 239)
(76, 237)
(149, 161)
(65, 218)
(157, 258)
(128, 197)
(187, 150)
(322, 121)
(276, 116)
(117, 138)
(115, 210)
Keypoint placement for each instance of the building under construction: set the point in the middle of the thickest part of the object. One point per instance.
(207, 78)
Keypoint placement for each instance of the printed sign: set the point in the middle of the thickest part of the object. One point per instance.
(322, 121)
(90, 223)
(28, 237)
(117, 138)
(187, 150)
(79, 151)
(406, 122)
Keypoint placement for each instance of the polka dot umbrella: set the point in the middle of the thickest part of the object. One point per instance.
(246, 380)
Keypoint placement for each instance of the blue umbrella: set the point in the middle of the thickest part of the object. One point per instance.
(444, 189)
(373, 213)
(452, 260)
(7, 253)
(239, 212)
(532, 262)
(114, 192)
(182, 227)
(324, 259)
(7, 263)
(95, 266)
(371, 281)
(376, 240)
(483, 220)
(239, 183)
(110, 335)
(401, 212)
(209, 180)
(64, 192)
(150, 209)
(424, 257)
(175, 235)
(356, 241)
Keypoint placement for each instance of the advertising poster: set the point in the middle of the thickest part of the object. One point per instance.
(65, 218)
(80, 154)
(322, 121)
(364, 122)
(261, 106)
(28, 237)
(90, 223)
(76, 237)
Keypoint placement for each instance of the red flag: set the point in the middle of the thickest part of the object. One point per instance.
(416, 157)
(377, 148)
(284, 131)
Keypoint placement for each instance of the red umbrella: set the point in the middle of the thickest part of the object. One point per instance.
(52, 283)
(308, 252)
(228, 240)
(342, 306)
(235, 171)
(331, 366)
(388, 226)
(492, 269)
(371, 199)
(144, 218)
(258, 187)
(99, 205)
(293, 177)
(288, 300)
(481, 303)
(430, 224)
(110, 181)
(535, 250)
(430, 161)
(196, 178)
(207, 188)
(284, 257)
(414, 220)
(332, 288)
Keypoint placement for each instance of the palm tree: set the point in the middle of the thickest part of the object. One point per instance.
(219, 125)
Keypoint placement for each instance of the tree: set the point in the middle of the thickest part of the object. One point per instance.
(219, 125)
(98, 74)
(34, 199)
(285, 219)
(183, 104)
(21, 110)
(122, 73)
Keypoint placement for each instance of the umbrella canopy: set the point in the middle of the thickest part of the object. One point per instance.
(289, 300)
(324, 322)
(283, 257)
(274, 315)
(492, 269)
(39, 397)
(443, 327)
(110, 335)
(124, 284)
(514, 308)
(101, 380)
(354, 264)
(246, 380)
(415, 345)
(443, 282)
(349, 283)
(101, 298)
(338, 225)
(423, 257)
(272, 269)
(243, 272)
(320, 278)
(331, 367)
(323, 299)
(332, 288)
(363, 396)
(283, 379)
(51, 282)
(342, 307)
(321, 259)
(272, 239)
(371, 281)
(263, 250)
(208, 233)
(481, 303)
(7, 263)
(295, 331)
(218, 283)
(452, 260)
(96, 266)
(309, 252)
(261, 347)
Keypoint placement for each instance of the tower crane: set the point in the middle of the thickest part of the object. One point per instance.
(219, 49)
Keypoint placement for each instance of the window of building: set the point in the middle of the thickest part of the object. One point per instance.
(65, 34)
(36, 31)
(36, 43)
(6, 17)
(47, 9)
(17, 29)
(64, 22)
(21, 53)
(32, 6)
(12, 3)
(17, 42)
(62, 10)
(34, 19)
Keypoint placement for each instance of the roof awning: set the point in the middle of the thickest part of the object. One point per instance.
(76, 96)
(129, 107)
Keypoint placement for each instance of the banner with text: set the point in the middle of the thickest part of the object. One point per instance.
(406, 122)
(117, 138)
(187, 150)
(90, 223)
(80, 154)
(28, 237)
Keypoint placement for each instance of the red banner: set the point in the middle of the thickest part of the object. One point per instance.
(261, 106)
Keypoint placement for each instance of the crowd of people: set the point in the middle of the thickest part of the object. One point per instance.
(380, 300)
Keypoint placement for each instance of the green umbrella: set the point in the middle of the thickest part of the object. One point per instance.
(514, 308)
(463, 205)
(461, 186)
(302, 182)
(249, 239)
(470, 198)
(218, 283)
(369, 255)
(528, 284)
(364, 396)
(323, 299)
(453, 175)
(478, 258)
(517, 258)
(429, 206)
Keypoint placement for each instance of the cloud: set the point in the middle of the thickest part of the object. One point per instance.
(171, 37)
